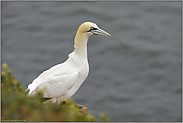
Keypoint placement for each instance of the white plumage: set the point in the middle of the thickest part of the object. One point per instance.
(62, 81)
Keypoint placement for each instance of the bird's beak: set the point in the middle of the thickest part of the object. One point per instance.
(99, 31)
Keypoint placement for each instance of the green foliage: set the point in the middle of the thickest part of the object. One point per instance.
(17, 106)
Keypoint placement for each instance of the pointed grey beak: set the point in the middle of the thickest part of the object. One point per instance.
(99, 31)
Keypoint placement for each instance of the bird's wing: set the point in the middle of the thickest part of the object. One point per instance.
(44, 76)
(55, 86)
(52, 70)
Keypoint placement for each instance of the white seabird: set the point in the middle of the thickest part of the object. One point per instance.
(61, 81)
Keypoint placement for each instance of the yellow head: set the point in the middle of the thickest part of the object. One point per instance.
(92, 29)
(86, 30)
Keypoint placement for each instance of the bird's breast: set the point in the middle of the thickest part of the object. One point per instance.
(83, 73)
(80, 64)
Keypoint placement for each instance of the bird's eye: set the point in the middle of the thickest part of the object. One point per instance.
(93, 28)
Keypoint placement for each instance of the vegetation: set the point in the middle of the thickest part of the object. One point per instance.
(17, 106)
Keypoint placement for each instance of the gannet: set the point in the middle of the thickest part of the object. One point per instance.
(61, 81)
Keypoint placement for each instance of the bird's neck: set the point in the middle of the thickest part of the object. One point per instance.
(80, 44)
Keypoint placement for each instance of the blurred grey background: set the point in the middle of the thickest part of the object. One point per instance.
(134, 76)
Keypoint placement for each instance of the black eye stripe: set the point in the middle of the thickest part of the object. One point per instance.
(92, 28)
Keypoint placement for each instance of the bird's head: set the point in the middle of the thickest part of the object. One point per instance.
(86, 30)
(90, 29)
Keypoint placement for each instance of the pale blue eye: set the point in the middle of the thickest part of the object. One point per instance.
(93, 28)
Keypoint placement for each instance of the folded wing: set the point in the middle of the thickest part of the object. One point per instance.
(53, 85)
